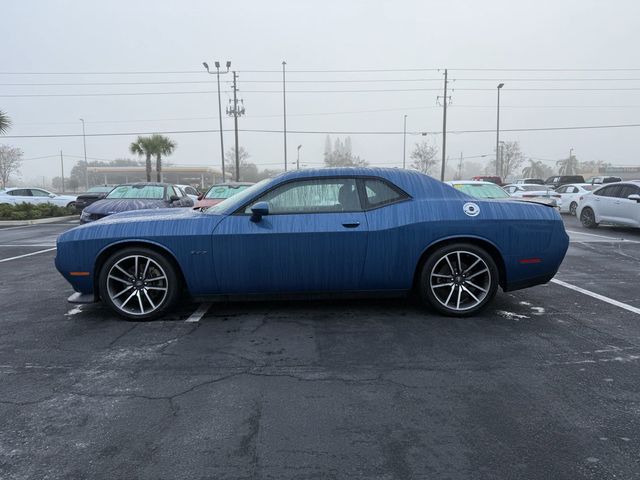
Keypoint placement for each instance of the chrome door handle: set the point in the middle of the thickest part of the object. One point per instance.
(351, 225)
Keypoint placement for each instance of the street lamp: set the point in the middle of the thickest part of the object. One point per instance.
(206, 66)
(500, 85)
(298, 159)
(404, 144)
(86, 165)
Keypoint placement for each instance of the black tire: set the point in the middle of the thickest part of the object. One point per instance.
(469, 297)
(145, 296)
(573, 208)
(588, 218)
(71, 205)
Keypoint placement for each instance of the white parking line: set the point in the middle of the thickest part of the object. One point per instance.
(29, 245)
(13, 228)
(597, 296)
(614, 239)
(27, 255)
(199, 313)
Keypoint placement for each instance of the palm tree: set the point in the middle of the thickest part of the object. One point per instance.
(161, 146)
(5, 122)
(535, 169)
(568, 166)
(144, 146)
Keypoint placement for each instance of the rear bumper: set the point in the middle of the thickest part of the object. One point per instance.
(529, 282)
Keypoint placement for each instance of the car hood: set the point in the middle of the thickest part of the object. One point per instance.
(111, 206)
(153, 214)
(549, 202)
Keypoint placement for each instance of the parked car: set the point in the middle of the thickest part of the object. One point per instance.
(92, 195)
(219, 192)
(570, 194)
(36, 196)
(326, 231)
(528, 190)
(614, 204)
(136, 196)
(492, 179)
(558, 180)
(530, 181)
(190, 191)
(492, 191)
(601, 179)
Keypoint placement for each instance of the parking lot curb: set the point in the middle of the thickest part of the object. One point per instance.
(19, 223)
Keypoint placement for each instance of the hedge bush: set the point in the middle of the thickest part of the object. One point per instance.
(30, 211)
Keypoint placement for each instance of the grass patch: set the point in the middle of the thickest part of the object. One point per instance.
(30, 211)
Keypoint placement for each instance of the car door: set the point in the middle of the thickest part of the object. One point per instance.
(626, 211)
(313, 239)
(22, 195)
(604, 202)
(41, 196)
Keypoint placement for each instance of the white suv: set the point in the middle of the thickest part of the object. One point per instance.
(615, 204)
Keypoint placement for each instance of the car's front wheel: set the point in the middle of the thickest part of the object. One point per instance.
(459, 279)
(71, 205)
(588, 218)
(572, 208)
(138, 283)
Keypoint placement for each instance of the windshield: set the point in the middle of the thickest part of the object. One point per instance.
(237, 200)
(481, 190)
(151, 192)
(225, 191)
(531, 188)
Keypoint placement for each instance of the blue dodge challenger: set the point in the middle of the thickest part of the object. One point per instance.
(318, 232)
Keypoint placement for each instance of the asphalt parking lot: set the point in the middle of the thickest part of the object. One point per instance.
(544, 384)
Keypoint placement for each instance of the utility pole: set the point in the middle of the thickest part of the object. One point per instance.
(62, 170)
(498, 168)
(445, 100)
(459, 173)
(217, 64)
(284, 108)
(236, 112)
(298, 159)
(86, 165)
(404, 144)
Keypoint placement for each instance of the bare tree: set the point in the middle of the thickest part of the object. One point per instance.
(424, 157)
(10, 162)
(511, 159)
(341, 154)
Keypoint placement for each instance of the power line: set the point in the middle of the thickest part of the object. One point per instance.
(328, 132)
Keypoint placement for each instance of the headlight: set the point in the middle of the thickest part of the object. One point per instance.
(85, 216)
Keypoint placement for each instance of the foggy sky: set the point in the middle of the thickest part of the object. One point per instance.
(164, 35)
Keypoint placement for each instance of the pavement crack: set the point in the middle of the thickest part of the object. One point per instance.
(127, 331)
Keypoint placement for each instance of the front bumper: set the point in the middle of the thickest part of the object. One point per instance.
(78, 297)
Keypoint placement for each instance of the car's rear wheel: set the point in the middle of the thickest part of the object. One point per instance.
(71, 205)
(572, 208)
(138, 283)
(459, 279)
(588, 218)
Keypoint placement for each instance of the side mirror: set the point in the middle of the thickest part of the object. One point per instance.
(51, 195)
(635, 197)
(200, 196)
(173, 198)
(259, 210)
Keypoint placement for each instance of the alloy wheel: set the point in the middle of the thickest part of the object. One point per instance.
(460, 280)
(137, 285)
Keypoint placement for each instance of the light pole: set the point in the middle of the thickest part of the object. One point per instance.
(217, 64)
(570, 163)
(500, 85)
(298, 159)
(404, 144)
(86, 165)
(284, 110)
(501, 159)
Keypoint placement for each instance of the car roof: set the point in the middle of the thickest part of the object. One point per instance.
(527, 185)
(232, 184)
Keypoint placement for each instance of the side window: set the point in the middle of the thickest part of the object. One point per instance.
(171, 192)
(192, 191)
(561, 190)
(312, 196)
(39, 193)
(379, 193)
(607, 191)
(23, 192)
(626, 190)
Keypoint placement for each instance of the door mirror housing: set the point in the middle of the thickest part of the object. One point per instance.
(259, 210)
(200, 196)
(173, 198)
(635, 197)
(51, 195)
